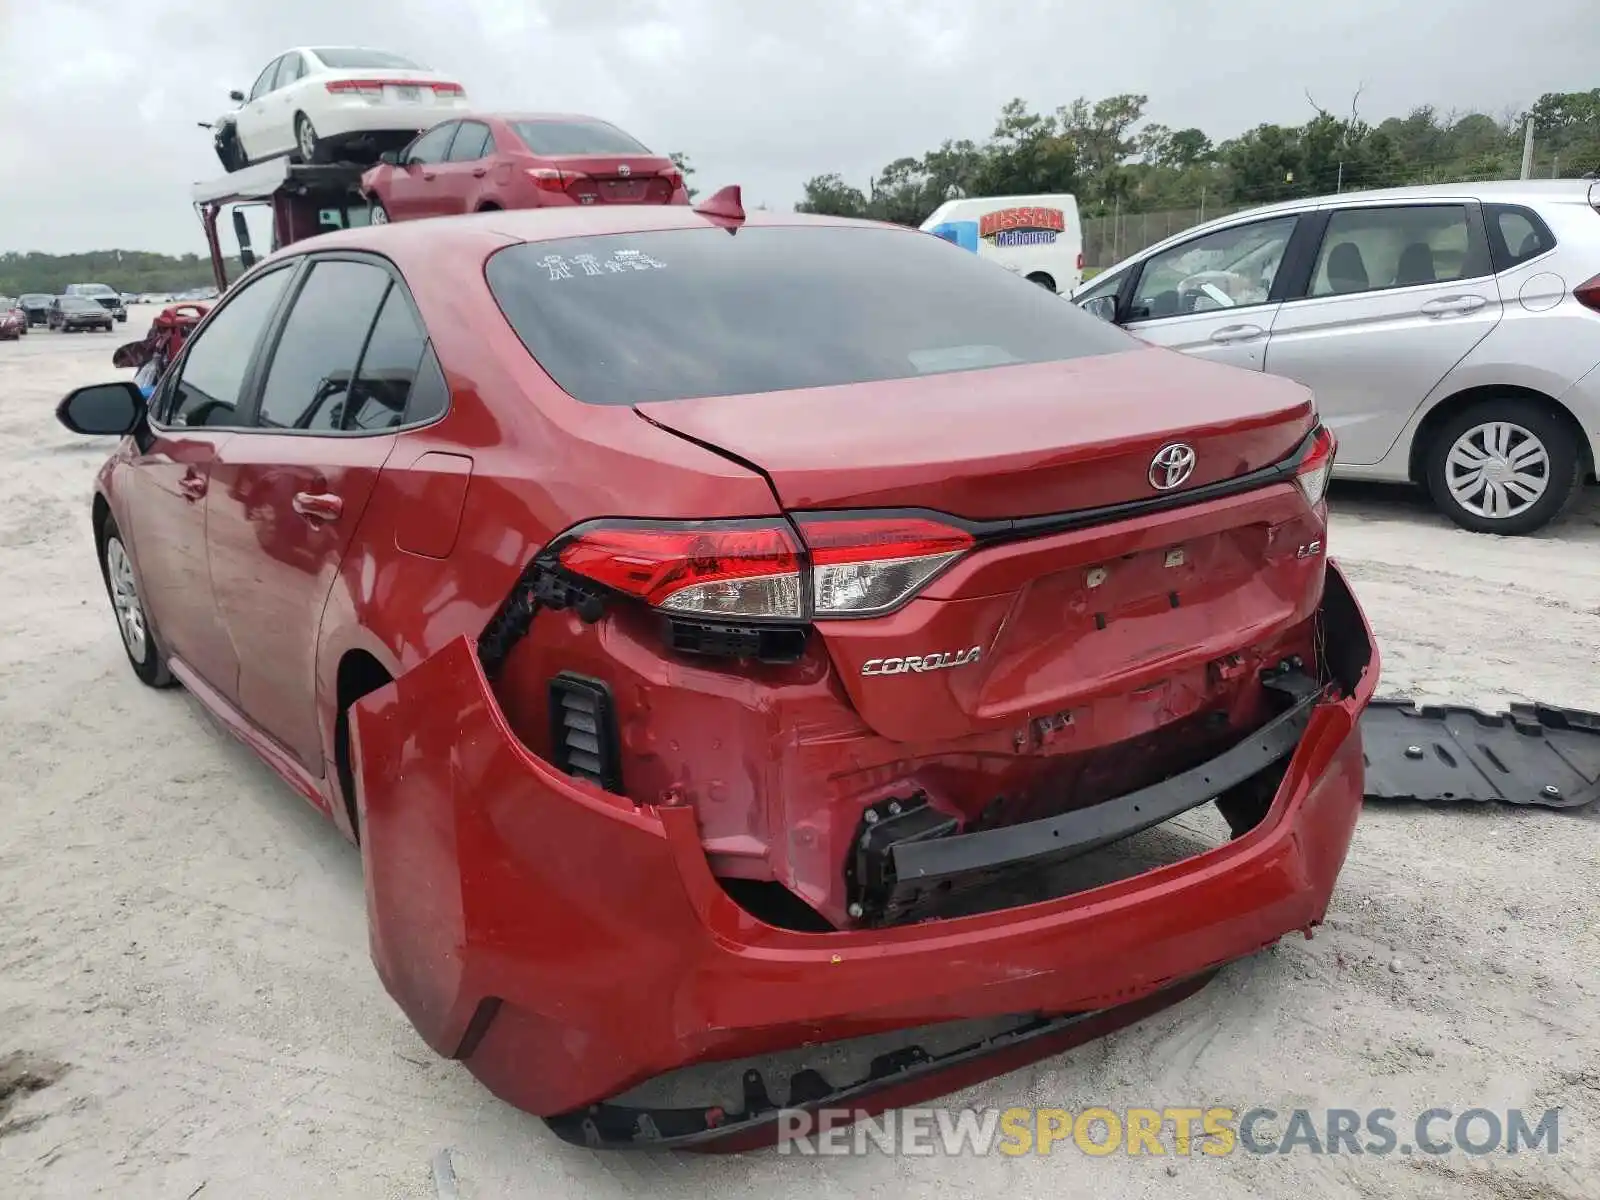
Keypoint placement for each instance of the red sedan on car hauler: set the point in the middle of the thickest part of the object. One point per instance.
(484, 161)
(718, 631)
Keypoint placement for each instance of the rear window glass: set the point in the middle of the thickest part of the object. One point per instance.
(344, 59)
(576, 137)
(632, 318)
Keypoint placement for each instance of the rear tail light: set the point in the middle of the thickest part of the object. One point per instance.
(865, 565)
(674, 178)
(849, 566)
(550, 179)
(1588, 294)
(448, 89)
(356, 87)
(1311, 476)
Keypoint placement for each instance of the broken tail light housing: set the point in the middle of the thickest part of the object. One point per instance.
(1312, 472)
(759, 570)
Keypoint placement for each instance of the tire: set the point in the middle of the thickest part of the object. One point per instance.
(232, 153)
(127, 607)
(378, 215)
(1044, 280)
(308, 146)
(1520, 441)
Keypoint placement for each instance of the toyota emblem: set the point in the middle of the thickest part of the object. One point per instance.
(624, 169)
(1171, 466)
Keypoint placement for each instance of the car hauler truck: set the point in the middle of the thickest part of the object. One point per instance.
(304, 200)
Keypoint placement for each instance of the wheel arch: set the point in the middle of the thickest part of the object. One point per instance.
(1428, 428)
(359, 674)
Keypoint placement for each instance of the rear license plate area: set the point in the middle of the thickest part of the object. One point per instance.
(405, 95)
(623, 191)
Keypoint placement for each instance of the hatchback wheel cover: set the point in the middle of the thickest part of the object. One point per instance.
(125, 598)
(1497, 470)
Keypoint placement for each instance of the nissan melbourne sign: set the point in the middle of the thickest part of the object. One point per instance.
(1026, 226)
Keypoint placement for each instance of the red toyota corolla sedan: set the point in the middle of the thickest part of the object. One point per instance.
(718, 632)
(518, 160)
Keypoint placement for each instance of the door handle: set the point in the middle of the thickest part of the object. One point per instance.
(479, 172)
(427, 174)
(1237, 333)
(318, 506)
(1453, 304)
(192, 485)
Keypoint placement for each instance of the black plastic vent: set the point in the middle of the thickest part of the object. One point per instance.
(583, 731)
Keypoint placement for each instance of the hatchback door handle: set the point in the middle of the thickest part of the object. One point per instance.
(1237, 333)
(1453, 304)
(192, 485)
(318, 506)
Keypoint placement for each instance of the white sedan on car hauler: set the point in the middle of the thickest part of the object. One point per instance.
(315, 103)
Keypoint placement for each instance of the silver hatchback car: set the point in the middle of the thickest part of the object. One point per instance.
(1450, 333)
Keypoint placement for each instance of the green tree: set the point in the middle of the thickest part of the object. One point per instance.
(681, 161)
(831, 196)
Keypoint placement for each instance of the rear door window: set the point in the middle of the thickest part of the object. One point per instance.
(632, 318)
(308, 383)
(389, 367)
(1516, 234)
(1374, 249)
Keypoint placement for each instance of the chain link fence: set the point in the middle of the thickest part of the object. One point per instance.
(1109, 239)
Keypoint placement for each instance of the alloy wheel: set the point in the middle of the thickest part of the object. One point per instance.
(125, 599)
(1497, 470)
(308, 140)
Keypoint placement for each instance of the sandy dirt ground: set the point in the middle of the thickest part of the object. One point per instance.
(183, 945)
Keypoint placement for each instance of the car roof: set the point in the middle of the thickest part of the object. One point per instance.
(491, 230)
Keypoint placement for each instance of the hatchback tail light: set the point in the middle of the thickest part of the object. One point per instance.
(840, 566)
(1588, 294)
(1311, 475)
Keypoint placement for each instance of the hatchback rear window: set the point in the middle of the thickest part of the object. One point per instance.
(666, 315)
(575, 137)
(343, 59)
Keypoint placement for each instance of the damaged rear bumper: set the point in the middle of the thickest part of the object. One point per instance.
(568, 946)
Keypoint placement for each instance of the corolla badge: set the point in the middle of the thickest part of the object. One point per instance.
(1171, 466)
(921, 662)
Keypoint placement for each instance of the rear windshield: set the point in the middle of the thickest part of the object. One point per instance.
(631, 318)
(351, 59)
(89, 289)
(575, 137)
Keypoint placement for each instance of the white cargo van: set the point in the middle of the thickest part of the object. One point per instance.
(1038, 237)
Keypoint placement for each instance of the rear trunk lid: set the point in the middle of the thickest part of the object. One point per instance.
(1047, 438)
(615, 179)
(1110, 628)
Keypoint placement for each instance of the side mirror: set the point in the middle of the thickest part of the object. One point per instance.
(1104, 307)
(236, 96)
(241, 230)
(103, 409)
(392, 157)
